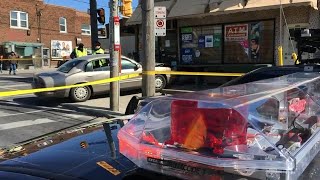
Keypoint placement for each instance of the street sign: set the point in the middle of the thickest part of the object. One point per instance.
(116, 33)
(160, 15)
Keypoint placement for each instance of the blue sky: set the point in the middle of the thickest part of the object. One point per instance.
(83, 5)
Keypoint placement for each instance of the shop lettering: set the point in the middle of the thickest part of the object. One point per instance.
(237, 30)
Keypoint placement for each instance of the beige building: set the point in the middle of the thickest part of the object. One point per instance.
(229, 35)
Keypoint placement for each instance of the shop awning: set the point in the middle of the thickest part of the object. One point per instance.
(136, 17)
(188, 7)
(27, 44)
(226, 6)
(254, 5)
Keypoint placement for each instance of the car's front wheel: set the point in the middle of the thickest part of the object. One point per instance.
(160, 82)
(80, 94)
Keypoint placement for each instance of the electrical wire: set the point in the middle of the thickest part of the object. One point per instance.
(286, 24)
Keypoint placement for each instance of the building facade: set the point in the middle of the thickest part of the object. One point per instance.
(230, 36)
(42, 33)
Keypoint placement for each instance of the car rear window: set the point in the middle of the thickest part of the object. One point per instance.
(66, 67)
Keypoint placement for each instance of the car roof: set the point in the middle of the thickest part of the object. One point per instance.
(271, 72)
(96, 56)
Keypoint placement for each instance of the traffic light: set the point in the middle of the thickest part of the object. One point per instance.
(126, 8)
(101, 16)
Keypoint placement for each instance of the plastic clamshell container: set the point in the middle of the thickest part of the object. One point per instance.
(263, 129)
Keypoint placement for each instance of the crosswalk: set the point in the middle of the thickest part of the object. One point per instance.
(20, 122)
(16, 83)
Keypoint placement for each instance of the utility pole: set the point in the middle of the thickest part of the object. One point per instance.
(93, 22)
(38, 13)
(114, 48)
(148, 43)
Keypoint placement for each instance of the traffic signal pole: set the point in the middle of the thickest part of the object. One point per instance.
(94, 23)
(148, 44)
(114, 48)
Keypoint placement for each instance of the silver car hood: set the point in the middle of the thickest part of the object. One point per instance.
(51, 79)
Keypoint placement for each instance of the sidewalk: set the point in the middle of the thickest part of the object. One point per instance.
(39, 70)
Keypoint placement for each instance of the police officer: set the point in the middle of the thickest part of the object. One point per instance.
(80, 51)
(98, 49)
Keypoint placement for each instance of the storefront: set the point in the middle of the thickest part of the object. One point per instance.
(230, 36)
(29, 53)
(231, 43)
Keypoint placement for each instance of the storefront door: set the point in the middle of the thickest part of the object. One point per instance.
(289, 43)
(46, 56)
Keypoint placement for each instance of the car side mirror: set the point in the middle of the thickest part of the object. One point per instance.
(136, 67)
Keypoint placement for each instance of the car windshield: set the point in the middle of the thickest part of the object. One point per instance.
(66, 67)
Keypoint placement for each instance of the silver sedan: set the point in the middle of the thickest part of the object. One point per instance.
(93, 68)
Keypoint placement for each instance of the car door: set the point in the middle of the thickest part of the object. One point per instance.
(128, 67)
(98, 69)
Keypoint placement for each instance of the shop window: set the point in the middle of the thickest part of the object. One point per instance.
(19, 19)
(201, 45)
(85, 29)
(63, 24)
(249, 42)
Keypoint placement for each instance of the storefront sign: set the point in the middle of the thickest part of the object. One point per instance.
(186, 30)
(187, 55)
(186, 38)
(201, 42)
(61, 48)
(209, 41)
(238, 32)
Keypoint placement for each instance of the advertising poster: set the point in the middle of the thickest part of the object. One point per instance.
(209, 41)
(186, 55)
(217, 40)
(238, 32)
(186, 38)
(255, 41)
(201, 42)
(61, 48)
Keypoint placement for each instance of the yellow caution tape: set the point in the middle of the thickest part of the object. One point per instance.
(19, 59)
(114, 79)
(193, 73)
(31, 91)
(108, 167)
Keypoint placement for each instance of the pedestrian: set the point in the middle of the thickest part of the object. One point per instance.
(98, 49)
(79, 52)
(13, 62)
(1, 57)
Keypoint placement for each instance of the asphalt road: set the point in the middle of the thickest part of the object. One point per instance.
(25, 117)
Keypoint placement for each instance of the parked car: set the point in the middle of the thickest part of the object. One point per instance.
(93, 68)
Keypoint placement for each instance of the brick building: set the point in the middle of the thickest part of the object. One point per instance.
(43, 33)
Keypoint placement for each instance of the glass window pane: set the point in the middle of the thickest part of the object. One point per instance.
(201, 45)
(23, 23)
(127, 65)
(23, 16)
(249, 42)
(14, 15)
(62, 28)
(62, 21)
(14, 23)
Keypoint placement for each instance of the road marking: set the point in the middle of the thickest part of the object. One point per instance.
(29, 112)
(72, 114)
(17, 85)
(20, 124)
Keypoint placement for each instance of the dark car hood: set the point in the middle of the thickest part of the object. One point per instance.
(60, 156)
